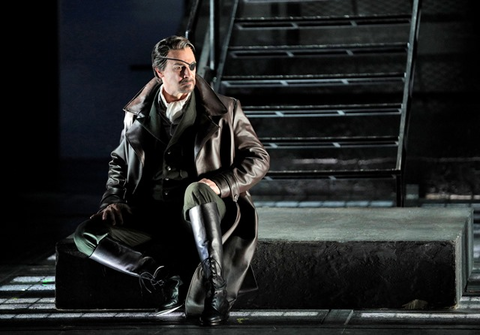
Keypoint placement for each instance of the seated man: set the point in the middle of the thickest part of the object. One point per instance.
(177, 193)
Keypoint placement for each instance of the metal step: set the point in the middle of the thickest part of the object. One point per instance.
(269, 51)
(333, 142)
(330, 121)
(332, 174)
(321, 59)
(323, 153)
(311, 34)
(292, 22)
(269, 8)
(316, 80)
(301, 111)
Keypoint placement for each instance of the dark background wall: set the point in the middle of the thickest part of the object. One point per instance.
(443, 143)
(101, 44)
(75, 63)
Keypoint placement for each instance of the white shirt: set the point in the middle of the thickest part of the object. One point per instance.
(175, 108)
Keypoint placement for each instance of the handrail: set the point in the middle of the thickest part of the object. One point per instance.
(213, 29)
(211, 40)
(193, 20)
(407, 92)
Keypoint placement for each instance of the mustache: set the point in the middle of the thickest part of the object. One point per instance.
(186, 80)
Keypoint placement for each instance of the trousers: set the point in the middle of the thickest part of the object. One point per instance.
(164, 225)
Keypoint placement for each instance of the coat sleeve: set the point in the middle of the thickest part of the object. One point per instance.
(116, 189)
(251, 160)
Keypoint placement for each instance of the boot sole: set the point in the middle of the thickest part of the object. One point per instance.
(167, 311)
(203, 323)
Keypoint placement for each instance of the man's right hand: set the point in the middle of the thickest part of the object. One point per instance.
(114, 213)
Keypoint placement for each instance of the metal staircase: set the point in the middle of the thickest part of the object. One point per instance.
(327, 85)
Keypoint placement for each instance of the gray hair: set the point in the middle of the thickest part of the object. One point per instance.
(161, 49)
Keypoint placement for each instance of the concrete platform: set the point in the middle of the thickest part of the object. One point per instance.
(362, 258)
(344, 258)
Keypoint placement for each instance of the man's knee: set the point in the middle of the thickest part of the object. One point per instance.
(198, 193)
(87, 235)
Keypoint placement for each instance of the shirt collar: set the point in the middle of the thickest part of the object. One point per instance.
(174, 109)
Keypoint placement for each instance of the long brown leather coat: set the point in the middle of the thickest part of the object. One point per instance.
(227, 149)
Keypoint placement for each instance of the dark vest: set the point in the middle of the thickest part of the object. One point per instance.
(176, 166)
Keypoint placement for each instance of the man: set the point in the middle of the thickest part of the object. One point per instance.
(177, 207)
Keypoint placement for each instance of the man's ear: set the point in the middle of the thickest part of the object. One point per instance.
(159, 73)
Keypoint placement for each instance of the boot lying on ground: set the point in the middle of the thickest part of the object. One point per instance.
(153, 278)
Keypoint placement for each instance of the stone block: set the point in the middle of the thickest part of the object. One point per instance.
(362, 258)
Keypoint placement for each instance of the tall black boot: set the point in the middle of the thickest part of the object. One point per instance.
(152, 277)
(205, 221)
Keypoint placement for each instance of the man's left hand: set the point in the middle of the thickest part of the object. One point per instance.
(212, 185)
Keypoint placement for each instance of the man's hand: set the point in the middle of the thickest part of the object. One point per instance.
(212, 185)
(114, 213)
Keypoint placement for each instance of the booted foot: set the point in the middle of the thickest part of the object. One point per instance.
(165, 290)
(165, 310)
(171, 296)
(213, 318)
(216, 310)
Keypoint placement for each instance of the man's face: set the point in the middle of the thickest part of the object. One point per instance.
(178, 79)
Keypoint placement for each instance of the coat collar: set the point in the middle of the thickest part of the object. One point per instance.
(205, 96)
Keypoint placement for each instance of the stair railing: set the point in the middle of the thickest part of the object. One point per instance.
(208, 60)
(407, 97)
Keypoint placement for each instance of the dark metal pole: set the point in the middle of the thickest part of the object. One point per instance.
(192, 21)
(213, 34)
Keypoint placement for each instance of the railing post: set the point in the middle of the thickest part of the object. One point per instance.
(192, 21)
(407, 97)
(213, 34)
